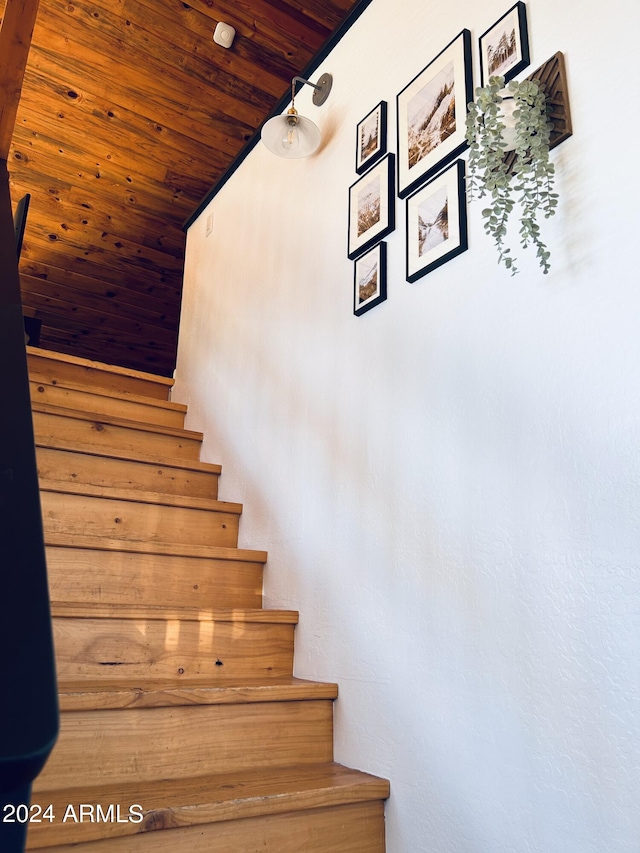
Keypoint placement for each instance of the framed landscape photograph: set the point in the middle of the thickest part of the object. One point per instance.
(504, 48)
(436, 222)
(371, 138)
(370, 279)
(431, 114)
(371, 207)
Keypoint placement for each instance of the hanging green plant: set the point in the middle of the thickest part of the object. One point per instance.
(530, 183)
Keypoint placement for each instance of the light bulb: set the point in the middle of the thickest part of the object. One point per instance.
(291, 138)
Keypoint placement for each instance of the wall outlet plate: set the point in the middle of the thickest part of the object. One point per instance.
(224, 34)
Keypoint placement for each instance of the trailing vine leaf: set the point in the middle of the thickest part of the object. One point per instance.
(533, 173)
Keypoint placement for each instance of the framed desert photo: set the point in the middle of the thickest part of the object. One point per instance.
(371, 207)
(431, 114)
(370, 279)
(436, 222)
(504, 48)
(371, 138)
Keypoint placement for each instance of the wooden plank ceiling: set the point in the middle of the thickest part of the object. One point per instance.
(129, 114)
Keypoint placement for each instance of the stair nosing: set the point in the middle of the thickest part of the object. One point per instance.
(113, 369)
(76, 696)
(161, 612)
(129, 456)
(139, 496)
(204, 552)
(200, 800)
(155, 402)
(109, 420)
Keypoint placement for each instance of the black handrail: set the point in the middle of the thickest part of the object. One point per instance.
(28, 703)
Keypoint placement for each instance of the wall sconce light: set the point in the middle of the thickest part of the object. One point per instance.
(292, 135)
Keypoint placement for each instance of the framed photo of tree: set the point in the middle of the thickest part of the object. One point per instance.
(504, 48)
(432, 110)
(371, 207)
(371, 138)
(436, 222)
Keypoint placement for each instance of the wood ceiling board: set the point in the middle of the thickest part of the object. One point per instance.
(130, 115)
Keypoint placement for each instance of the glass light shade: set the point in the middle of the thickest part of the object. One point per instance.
(291, 136)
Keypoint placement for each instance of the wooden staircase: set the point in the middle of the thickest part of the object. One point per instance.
(179, 710)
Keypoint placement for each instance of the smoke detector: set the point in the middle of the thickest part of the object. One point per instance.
(224, 34)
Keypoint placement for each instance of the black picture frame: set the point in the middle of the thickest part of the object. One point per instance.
(370, 279)
(437, 222)
(504, 47)
(371, 138)
(371, 207)
(431, 114)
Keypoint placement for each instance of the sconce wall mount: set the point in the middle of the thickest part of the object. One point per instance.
(291, 135)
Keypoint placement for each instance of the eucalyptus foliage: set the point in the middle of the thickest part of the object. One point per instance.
(530, 185)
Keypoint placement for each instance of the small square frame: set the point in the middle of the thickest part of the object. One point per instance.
(371, 138)
(371, 207)
(433, 241)
(504, 47)
(370, 279)
(432, 111)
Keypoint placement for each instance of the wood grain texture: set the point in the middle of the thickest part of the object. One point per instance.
(214, 799)
(176, 686)
(129, 114)
(85, 695)
(16, 29)
(103, 747)
(160, 413)
(151, 518)
(117, 577)
(146, 648)
(55, 368)
(86, 430)
(356, 828)
(60, 461)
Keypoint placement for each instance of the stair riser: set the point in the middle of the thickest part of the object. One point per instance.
(136, 522)
(75, 467)
(50, 427)
(84, 575)
(353, 828)
(103, 747)
(52, 370)
(85, 401)
(91, 649)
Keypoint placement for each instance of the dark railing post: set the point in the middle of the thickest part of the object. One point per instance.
(28, 703)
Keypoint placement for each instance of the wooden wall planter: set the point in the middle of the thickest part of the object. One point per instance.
(552, 77)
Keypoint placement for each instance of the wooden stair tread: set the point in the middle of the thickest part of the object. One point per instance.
(78, 414)
(153, 693)
(103, 367)
(173, 804)
(139, 496)
(99, 543)
(130, 456)
(92, 610)
(178, 696)
(168, 405)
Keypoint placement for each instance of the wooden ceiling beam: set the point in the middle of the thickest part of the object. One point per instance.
(16, 31)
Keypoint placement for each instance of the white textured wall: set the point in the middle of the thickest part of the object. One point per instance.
(448, 486)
